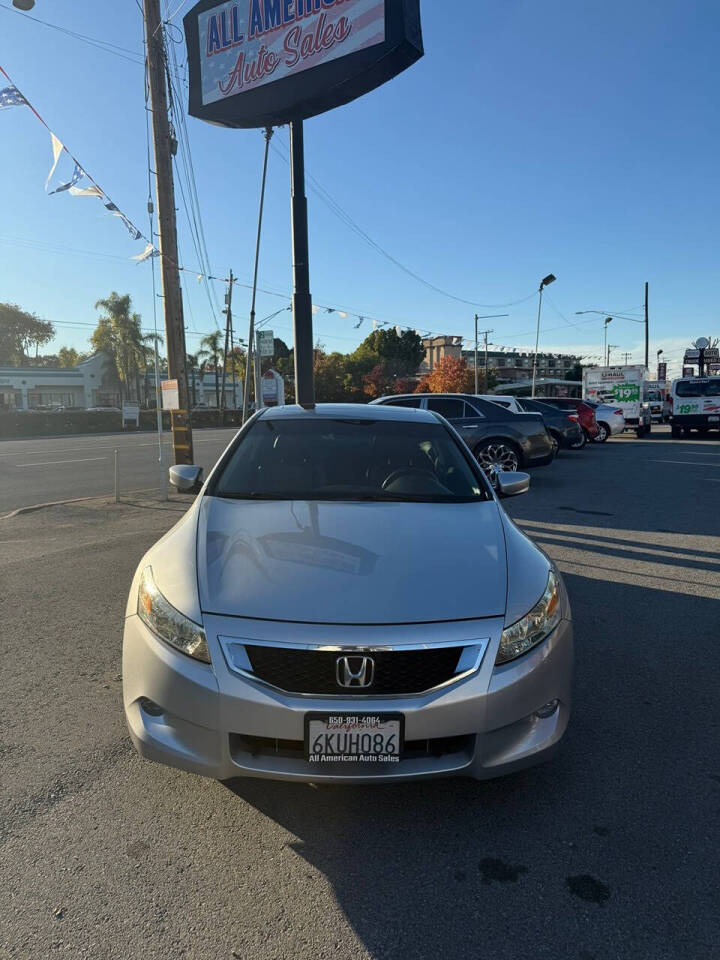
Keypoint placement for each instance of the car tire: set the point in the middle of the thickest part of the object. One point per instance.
(581, 442)
(602, 434)
(556, 443)
(497, 456)
(675, 432)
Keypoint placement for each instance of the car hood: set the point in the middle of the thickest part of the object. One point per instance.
(351, 563)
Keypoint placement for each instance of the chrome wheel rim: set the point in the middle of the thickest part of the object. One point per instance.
(602, 433)
(497, 458)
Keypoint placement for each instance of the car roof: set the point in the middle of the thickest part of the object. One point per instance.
(349, 411)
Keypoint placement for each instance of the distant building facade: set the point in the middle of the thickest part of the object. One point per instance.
(92, 383)
(511, 366)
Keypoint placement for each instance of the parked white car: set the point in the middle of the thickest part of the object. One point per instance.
(610, 420)
(510, 403)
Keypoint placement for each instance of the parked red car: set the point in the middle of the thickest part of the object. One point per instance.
(584, 413)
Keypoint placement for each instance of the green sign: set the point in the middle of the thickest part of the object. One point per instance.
(626, 392)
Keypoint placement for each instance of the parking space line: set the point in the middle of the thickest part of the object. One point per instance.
(691, 463)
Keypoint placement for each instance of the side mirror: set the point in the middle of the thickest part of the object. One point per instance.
(511, 484)
(186, 477)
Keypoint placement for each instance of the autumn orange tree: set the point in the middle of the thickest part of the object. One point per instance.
(450, 375)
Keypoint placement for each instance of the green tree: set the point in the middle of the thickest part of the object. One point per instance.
(399, 353)
(212, 348)
(575, 372)
(69, 357)
(120, 336)
(19, 331)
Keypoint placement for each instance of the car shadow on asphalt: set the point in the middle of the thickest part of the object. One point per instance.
(595, 848)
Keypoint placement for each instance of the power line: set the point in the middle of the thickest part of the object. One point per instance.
(317, 188)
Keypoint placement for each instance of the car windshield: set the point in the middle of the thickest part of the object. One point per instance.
(698, 388)
(342, 459)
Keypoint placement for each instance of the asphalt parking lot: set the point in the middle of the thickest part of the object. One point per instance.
(610, 851)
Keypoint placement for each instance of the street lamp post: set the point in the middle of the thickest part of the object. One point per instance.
(605, 351)
(545, 282)
(24, 4)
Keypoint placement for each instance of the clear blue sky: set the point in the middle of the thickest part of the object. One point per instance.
(573, 138)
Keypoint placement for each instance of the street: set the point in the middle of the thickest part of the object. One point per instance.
(58, 468)
(609, 851)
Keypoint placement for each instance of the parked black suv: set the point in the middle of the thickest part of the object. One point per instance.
(501, 440)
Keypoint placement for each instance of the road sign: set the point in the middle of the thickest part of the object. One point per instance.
(170, 395)
(265, 343)
(691, 356)
(131, 411)
(662, 371)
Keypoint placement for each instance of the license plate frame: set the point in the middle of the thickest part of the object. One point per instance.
(713, 419)
(362, 723)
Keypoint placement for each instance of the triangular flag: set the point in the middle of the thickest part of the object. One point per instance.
(11, 97)
(315, 308)
(57, 149)
(77, 174)
(92, 191)
(341, 313)
(148, 252)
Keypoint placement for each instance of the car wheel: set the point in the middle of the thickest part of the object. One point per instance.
(602, 434)
(497, 456)
(579, 444)
(555, 445)
(675, 432)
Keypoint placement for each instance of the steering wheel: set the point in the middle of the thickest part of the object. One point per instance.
(406, 472)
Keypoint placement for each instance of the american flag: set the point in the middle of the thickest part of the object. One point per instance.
(11, 97)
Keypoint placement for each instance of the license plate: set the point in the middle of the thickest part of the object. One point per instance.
(348, 740)
(713, 419)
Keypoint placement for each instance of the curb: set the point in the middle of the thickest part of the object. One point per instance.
(41, 506)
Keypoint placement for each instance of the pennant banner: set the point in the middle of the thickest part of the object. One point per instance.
(77, 174)
(148, 252)
(92, 191)
(57, 149)
(11, 97)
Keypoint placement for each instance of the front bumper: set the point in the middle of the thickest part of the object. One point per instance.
(218, 724)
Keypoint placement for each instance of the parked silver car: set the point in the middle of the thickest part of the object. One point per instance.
(347, 600)
(610, 420)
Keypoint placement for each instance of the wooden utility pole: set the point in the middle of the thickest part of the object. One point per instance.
(167, 231)
(647, 327)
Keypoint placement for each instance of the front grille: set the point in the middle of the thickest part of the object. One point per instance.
(396, 672)
(295, 749)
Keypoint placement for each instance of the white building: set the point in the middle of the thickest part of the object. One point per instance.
(31, 388)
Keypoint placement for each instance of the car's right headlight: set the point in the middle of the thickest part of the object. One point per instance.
(532, 629)
(168, 623)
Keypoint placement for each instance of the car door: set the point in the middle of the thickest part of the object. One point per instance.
(470, 422)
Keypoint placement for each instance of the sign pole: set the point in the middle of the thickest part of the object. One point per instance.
(302, 300)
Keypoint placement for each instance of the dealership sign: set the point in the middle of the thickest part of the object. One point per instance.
(256, 63)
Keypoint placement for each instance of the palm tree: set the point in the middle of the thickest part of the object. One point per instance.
(193, 368)
(211, 346)
(120, 336)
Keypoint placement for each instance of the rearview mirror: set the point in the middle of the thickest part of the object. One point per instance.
(511, 484)
(185, 477)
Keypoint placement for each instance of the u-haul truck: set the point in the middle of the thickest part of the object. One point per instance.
(624, 387)
(694, 405)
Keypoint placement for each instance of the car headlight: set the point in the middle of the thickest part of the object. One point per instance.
(167, 622)
(534, 626)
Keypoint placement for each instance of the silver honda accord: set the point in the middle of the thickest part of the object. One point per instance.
(347, 600)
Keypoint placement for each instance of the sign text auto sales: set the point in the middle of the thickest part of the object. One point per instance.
(247, 43)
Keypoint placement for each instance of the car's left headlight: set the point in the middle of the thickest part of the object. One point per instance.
(168, 623)
(534, 626)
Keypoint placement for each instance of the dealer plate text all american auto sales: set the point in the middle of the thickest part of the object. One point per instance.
(350, 739)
